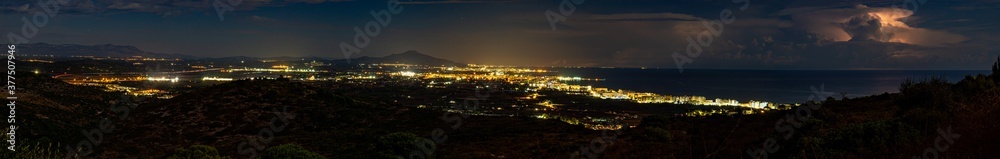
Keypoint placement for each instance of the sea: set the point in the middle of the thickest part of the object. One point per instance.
(780, 86)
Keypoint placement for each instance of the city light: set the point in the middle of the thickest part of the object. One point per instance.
(216, 79)
(172, 80)
(408, 73)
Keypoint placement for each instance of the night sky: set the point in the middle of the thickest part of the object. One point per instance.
(799, 34)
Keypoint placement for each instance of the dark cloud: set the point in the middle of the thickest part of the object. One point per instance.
(159, 7)
(862, 23)
(865, 28)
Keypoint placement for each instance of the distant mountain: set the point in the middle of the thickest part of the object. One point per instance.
(408, 57)
(111, 50)
(106, 50)
(240, 60)
(292, 58)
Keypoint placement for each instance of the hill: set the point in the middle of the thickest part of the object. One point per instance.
(230, 113)
(106, 50)
(226, 115)
(244, 117)
(48, 107)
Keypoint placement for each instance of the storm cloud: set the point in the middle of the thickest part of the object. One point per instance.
(863, 23)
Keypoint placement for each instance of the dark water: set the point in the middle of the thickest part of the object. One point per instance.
(783, 86)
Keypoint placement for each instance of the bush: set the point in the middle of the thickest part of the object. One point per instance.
(923, 118)
(290, 151)
(972, 85)
(862, 138)
(197, 152)
(934, 93)
(653, 134)
(32, 150)
(399, 144)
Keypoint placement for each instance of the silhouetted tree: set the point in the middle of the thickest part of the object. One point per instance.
(996, 70)
(996, 67)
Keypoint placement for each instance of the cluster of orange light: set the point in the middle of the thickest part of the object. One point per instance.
(106, 80)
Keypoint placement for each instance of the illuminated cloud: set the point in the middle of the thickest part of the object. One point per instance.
(862, 23)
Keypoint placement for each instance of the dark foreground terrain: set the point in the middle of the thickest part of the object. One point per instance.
(287, 119)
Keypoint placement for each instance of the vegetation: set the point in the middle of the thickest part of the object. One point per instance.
(289, 151)
(861, 138)
(31, 150)
(197, 152)
(399, 144)
(897, 125)
(996, 67)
